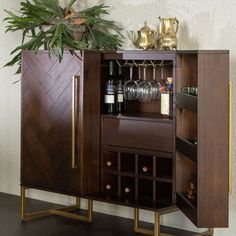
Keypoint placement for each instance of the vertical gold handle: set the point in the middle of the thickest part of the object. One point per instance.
(230, 137)
(74, 119)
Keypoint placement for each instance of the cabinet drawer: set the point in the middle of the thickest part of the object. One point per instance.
(137, 134)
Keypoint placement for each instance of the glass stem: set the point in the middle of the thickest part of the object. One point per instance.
(120, 71)
(162, 73)
(131, 72)
(145, 73)
(139, 73)
(154, 73)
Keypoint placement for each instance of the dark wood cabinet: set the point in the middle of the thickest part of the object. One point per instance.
(138, 158)
(59, 112)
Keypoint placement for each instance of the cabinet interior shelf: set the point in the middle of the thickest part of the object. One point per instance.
(131, 202)
(144, 116)
(188, 202)
(186, 148)
(186, 101)
(166, 179)
(187, 207)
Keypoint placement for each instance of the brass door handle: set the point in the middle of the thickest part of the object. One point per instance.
(230, 137)
(75, 81)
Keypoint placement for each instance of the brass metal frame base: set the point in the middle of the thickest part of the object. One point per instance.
(65, 211)
(157, 231)
(210, 232)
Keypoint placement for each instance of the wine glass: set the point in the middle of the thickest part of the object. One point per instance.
(131, 87)
(156, 86)
(139, 75)
(145, 88)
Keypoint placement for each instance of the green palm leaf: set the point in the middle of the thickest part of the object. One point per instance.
(36, 14)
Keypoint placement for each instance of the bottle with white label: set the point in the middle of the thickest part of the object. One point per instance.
(110, 91)
(120, 107)
(166, 97)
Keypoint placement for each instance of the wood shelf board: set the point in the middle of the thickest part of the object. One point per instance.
(131, 202)
(157, 154)
(186, 148)
(187, 207)
(154, 54)
(186, 101)
(182, 195)
(166, 179)
(143, 116)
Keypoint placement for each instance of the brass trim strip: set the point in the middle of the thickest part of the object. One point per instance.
(59, 212)
(230, 138)
(209, 232)
(74, 119)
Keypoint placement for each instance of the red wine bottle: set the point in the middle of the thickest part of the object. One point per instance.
(145, 169)
(120, 107)
(109, 163)
(108, 187)
(110, 91)
(127, 190)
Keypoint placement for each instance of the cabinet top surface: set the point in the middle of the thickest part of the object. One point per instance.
(170, 52)
(153, 51)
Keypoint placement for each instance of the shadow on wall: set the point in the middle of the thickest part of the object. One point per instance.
(185, 41)
(83, 4)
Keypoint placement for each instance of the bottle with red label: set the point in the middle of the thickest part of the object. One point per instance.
(166, 97)
(110, 91)
(120, 105)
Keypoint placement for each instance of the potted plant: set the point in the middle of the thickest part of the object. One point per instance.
(46, 24)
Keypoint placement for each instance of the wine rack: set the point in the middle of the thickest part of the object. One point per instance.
(136, 175)
(110, 183)
(127, 163)
(145, 165)
(110, 161)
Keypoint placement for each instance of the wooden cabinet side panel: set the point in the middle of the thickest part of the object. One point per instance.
(90, 131)
(213, 139)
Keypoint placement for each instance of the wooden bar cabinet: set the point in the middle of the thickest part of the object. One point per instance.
(70, 146)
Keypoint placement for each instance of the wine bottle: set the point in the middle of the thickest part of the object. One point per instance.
(166, 97)
(145, 169)
(108, 187)
(127, 190)
(120, 93)
(110, 91)
(109, 163)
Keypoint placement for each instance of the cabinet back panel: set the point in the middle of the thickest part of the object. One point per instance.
(186, 71)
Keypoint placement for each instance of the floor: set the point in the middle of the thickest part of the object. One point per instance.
(103, 225)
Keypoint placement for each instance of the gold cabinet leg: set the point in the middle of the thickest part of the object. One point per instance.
(138, 229)
(22, 203)
(156, 224)
(60, 212)
(155, 232)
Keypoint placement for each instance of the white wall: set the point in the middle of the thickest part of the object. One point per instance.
(203, 25)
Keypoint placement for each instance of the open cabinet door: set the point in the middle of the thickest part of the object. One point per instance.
(60, 122)
(202, 138)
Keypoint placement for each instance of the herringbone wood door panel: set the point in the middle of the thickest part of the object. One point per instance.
(47, 122)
